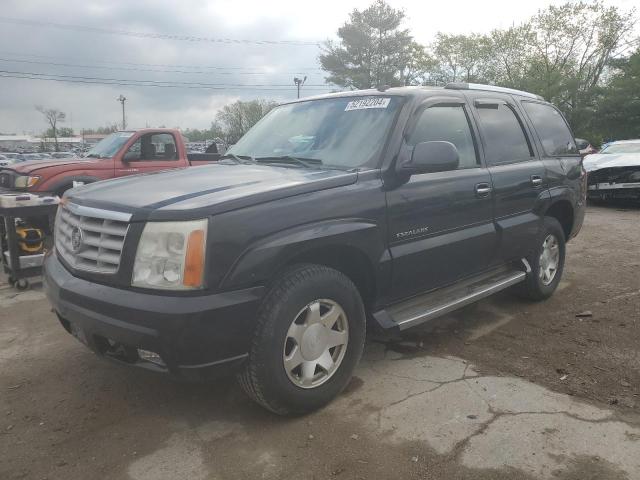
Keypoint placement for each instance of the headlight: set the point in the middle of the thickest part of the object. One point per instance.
(171, 255)
(26, 181)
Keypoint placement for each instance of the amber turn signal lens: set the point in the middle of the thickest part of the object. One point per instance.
(194, 260)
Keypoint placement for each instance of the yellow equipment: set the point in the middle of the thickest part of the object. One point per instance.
(30, 240)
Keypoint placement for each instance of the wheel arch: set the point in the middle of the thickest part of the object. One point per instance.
(351, 246)
(57, 185)
(562, 210)
(347, 259)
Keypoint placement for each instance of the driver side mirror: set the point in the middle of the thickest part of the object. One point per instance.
(581, 143)
(429, 157)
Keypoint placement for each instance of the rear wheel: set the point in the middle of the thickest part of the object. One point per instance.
(308, 340)
(547, 262)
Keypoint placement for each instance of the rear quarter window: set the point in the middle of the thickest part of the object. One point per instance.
(551, 128)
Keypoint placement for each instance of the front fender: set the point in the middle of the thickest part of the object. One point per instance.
(262, 260)
(65, 180)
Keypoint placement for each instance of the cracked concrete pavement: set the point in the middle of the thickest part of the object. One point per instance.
(418, 406)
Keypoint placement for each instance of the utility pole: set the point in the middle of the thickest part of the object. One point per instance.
(123, 99)
(299, 82)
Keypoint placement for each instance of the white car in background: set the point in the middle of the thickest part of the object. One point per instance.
(614, 172)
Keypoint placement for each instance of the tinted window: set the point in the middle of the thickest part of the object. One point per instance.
(449, 124)
(505, 141)
(551, 128)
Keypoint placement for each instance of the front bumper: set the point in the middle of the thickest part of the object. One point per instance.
(605, 190)
(195, 337)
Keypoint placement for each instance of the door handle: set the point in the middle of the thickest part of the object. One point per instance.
(483, 189)
(536, 180)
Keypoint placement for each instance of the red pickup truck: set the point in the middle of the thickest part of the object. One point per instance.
(121, 153)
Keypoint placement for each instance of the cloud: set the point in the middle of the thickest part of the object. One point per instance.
(96, 105)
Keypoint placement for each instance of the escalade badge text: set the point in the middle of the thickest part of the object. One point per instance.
(411, 233)
(76, 239)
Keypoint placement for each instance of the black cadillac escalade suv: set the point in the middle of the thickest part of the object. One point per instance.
(371, 209)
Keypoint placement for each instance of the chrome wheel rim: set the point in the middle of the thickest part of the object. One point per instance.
(549, 259)
(316, 343)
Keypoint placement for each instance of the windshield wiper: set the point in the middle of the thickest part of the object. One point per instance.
(304, 162)
(93, 155)
(238, 158)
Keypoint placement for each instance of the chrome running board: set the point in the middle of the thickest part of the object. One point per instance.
(428, 306)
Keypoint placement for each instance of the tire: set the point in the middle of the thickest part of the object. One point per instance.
(288, 309)
(539, 285)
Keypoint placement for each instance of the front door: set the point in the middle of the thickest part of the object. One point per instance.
(519, 177)
(441, 224)
(149, 153)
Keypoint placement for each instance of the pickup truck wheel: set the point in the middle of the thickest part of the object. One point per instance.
(308, 340)
(547, 262)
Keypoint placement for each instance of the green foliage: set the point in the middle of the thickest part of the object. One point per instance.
(373, 50)
(235, 119)
(61, 132)
(107, 129)
(617, 107)
(570, 54)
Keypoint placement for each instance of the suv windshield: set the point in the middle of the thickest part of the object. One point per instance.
(109, 146)
(345, 132)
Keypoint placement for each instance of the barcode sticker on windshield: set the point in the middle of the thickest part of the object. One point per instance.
(369, 102)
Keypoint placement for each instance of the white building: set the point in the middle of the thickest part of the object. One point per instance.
(29, 142)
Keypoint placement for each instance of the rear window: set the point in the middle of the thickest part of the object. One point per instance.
(505, 140)
(553, 131)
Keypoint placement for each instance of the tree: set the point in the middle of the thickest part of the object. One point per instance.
(461, 58)
(618, 106)
(372, 51)
(61, 131)
(235, 119)
(107, 129)
(52, 116)
(562, 53)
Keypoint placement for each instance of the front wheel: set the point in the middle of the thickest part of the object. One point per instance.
(308, 340)
(547, 262)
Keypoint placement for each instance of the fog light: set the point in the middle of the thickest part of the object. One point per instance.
(149, 356)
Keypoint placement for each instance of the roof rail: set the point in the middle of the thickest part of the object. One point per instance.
(490, 88)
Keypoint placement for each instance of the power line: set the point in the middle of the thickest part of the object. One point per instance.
(213, 67)
(163, 36)
(103, 67)
(134, 83)
(151, 82)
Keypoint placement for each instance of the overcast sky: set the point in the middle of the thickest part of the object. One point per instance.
(291, 29)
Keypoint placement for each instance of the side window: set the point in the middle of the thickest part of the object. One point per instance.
(153, 146)
(449, 124)
(550, 126)
(505, 140)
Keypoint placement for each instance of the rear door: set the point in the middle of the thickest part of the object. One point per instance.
(440, 224)
(518, 176)
(149, 153)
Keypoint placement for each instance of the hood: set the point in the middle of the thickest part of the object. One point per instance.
(33, 165)
(200, 191)
(596, 161)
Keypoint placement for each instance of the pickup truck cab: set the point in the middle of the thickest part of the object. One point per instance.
(119, 154)
(379, 209)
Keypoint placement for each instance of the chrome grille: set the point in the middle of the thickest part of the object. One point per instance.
(89, 238)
